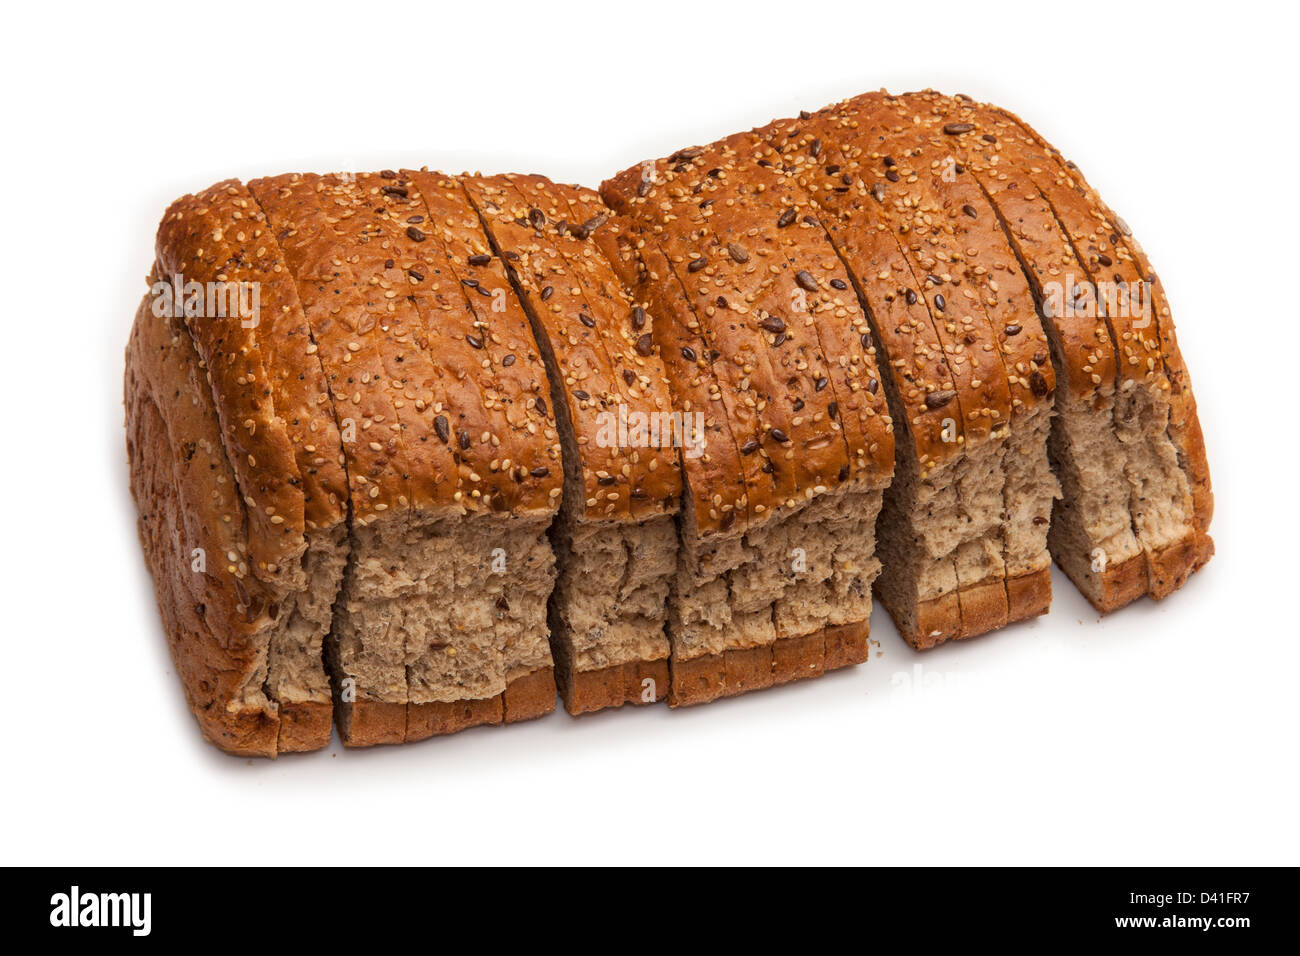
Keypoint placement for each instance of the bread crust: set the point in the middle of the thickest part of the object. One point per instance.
(304, 726)
(1029, 595)
(591, 353)
(517, 388)
(733, 301)
(360, 388)
(991, 265)
(530, 696)
(739, 670)
(369, 723)
(616, 685)
(214, 615)
(883, 280)
(282, 338)
(850, 355)
(729, 489)
(719, 487)
(210, 238)
(660, 485)
(743, 264)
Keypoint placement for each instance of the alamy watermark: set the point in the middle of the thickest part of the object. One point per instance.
(1088, 299)
(127, 910)
(178, 298)
(624, 428)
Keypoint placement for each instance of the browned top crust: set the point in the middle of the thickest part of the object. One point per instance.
(215, 239)
(1067, 182)
(974, 287)
(718, 499)
(441, 368)
(203, 576)
(758, 280)
(544, 232)
(519, 447)
(815, 282)
(922, 362)
(670, 256)
(1135, 338)
(364, 224)
(868, 182)
(1046, 254)
(349, 341)
(989, 261)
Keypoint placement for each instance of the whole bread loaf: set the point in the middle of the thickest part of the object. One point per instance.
(413, 452)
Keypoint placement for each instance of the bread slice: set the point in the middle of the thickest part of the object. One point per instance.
(1184, 423)
(616, 539)
(1160, 455)
(451, 485)
(875, 171)
(943, 453)
(280, 564)
(1087, 456)
(515, 451)
(777, 599)
(984, 257)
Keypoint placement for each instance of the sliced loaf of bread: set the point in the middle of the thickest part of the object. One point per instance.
(412, 450)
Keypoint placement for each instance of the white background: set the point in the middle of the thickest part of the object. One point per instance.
(1163, 734)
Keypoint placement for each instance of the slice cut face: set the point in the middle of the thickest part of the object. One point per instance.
(253, 354)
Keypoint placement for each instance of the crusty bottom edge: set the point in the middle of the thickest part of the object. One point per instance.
(1169, 569)
(634, 682)
(988, 606)
(304, 726)
(1157, 574)
(740, 670)
(367, 723)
